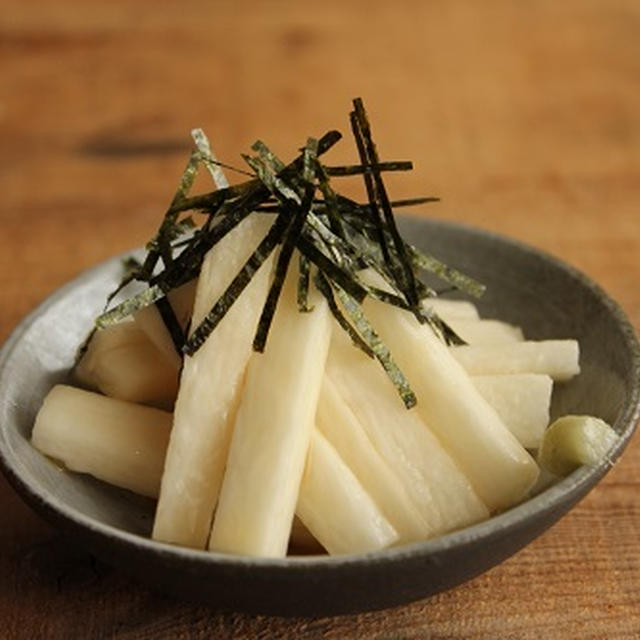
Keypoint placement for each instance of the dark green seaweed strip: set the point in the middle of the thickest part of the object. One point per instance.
(331, 242)
(267, 156)
(160, 245)
(206, 157)
(410, 202)
(303, 284)
(356, 169)
(387, 297)
(449, 336)
(328, 140)
(213, 165)
(454, 277)
(168, 316)
(188, 263)
(236, 287)
(402, 268)
(331, 270)
(352, 254)
(130, 306)
(356, 208)
(298, 217)
(271, 179)
(380, 350)
(374, 211)
(213, 200)
(330, 200)
(325, 289)
(309, 163)
(280, 272)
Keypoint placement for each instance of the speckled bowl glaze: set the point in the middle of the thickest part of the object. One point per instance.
(526, 287)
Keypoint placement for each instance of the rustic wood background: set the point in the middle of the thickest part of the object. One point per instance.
(523, 116)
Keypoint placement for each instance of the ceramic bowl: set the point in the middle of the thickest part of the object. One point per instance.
(526, 287)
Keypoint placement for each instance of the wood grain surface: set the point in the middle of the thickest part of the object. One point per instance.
(523, 116)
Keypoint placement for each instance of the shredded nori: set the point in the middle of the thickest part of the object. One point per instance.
(377, 346)
(170, 321)
(304, 276)
(298, 215)
(335, 236)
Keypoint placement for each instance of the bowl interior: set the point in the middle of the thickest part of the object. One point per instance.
(525, 287)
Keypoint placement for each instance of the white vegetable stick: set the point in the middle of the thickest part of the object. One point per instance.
(485, 332)
(522, 401)
(450, 309)
(116, 441)
(343, 430)
(122, 362)
(432, 480)
(499, 468)
(335, 508)
(209, 390)
(574, 440)
(272, 430)
(150, 320)
(556, 358)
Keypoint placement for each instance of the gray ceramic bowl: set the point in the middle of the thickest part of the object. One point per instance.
(526, 287)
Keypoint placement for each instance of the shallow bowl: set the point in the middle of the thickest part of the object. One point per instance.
(526, 287)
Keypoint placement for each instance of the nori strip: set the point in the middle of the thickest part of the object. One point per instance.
(171, 323)
(303, 284)
(237, 286)
(454, 277)
(129, 306)
(355, 169)
(380, 350)
(208, 159)
(351, 257)
(330, 200)
(298, 217)
(356, 208)
(337, 275)
(160, 244)
(215, 199)
(325, 289)
(369, 187)
(401, 267)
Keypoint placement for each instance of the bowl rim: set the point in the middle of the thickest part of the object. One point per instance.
(46, 503)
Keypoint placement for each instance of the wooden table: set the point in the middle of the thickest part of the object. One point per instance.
(523, 117)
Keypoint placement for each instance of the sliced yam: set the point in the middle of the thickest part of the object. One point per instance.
(337, 422)
(151, 322)
(572, 441)
(335, 508)
(499, 468)
(121, 362)
(556, 358)
(209, 392)
(272, 431)
(116, 441)
(451, 309)
(432, 481)
(522, 401)
(485, 332)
